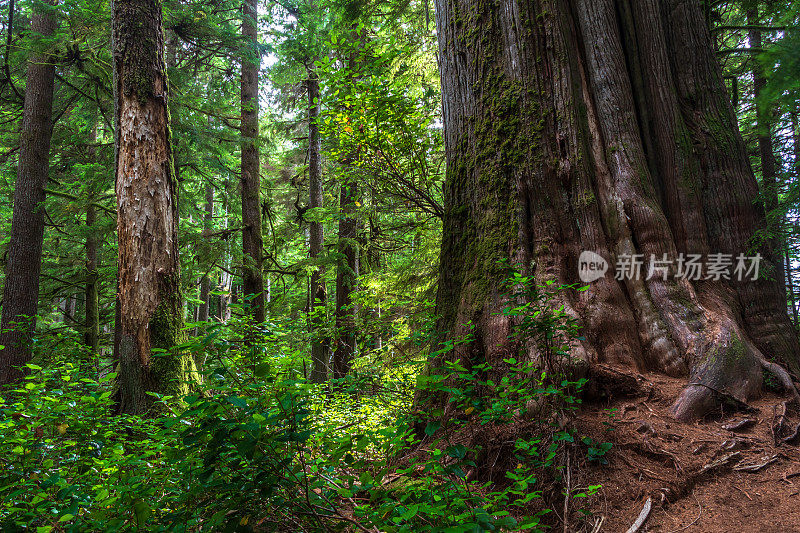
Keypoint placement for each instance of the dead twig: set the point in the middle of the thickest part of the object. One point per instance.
(755, 467)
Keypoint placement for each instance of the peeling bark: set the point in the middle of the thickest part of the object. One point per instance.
(149, 272)
(602, 125)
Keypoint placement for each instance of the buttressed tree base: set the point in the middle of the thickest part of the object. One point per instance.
(575, 125)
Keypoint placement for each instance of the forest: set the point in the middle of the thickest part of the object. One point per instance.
(390, 266)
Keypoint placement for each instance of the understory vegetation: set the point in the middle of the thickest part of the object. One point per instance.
(256, 446)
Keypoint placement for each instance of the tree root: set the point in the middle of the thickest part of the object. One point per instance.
(783, 376)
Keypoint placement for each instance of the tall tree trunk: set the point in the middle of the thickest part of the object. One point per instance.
(205, 281)
(320, 344)
(149, 272)
(91, 334)
(604, 126)
(789, 271)
(347, 266)
(346, 279)
(21, 291)
(769, 167)
(253, 283)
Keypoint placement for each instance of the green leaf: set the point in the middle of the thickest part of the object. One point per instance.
(432, 427)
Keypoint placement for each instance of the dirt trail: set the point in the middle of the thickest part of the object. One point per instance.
(723, 474)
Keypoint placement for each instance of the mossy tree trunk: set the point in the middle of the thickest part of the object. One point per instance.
(21, 290)
(149, 273)
(602, 125)
(252, 240)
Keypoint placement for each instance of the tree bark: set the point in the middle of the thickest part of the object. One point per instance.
(253, 282)
(347, 271)
(205, 282)
(21, 291)
(769, 167)
(601, 125)
(149, 273)
(320, 344)
(91, 335)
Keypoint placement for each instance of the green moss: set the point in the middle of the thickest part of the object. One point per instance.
(172, 368)
(138, 40)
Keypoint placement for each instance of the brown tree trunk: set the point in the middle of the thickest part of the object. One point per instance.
(253, 282)
(604, 126)
(205, 282)
(347, 271)
(149, 272)
(21, 291)
(91, 335)
(769, 167)
(203, 311)
(320, 344)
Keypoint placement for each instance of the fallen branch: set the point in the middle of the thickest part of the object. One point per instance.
(755, 467)
(642, 516)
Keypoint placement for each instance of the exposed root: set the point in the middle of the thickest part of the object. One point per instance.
(783, 376)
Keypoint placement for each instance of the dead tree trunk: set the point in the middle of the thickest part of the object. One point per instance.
(21, 291)
(253, 281)
(603, 125)
(149, 273)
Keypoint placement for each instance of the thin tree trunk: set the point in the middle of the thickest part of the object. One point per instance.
(21, 291)
(769, 167)
(253, 283)
(552, 151)
(205, 281)
(789, 272)
(320, 344)
(149, 272)
(91, 335)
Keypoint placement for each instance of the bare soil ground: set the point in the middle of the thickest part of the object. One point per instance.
(737, 471)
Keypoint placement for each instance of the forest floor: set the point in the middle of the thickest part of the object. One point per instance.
(725, 473)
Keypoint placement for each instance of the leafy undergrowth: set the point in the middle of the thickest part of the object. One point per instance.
(258, 448)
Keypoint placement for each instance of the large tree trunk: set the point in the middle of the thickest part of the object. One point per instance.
(602, 125)
(149, 272)
(21, 291)
(253, 282)
(320, 344)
